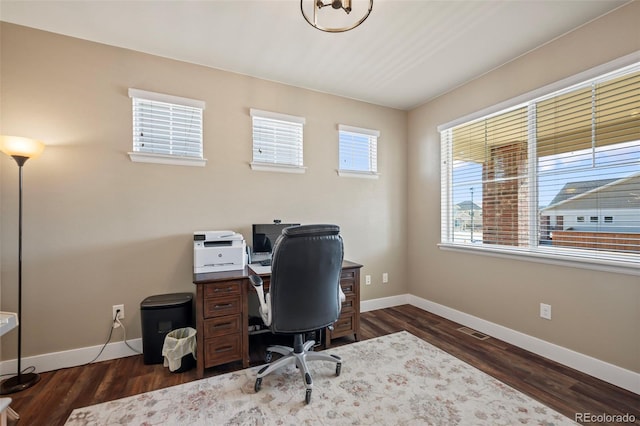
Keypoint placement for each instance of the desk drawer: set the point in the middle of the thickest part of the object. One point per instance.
(222, 288)
(220, 350)
(223, 305)
(348, 305)
(220, 326)
(348, 287)
(348, 274)
(344, 326)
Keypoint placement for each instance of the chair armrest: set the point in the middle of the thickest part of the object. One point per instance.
(256, 280)
(265, 300)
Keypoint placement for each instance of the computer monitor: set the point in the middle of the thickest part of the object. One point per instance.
(265, 236)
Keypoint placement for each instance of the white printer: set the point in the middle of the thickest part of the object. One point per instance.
(216, 251)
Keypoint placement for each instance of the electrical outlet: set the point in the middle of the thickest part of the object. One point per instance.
(385, 278)
(120, 310)
(545, 311)
(367, 279)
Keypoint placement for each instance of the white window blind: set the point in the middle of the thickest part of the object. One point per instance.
(523, 180)
(166, 127)
(277, 141)
(358, 149)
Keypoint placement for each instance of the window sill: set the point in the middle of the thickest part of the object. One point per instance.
(355, 174)
(143, 157)
(562, 257)
(266, 167)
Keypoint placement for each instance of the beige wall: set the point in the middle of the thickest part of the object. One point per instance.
(101, 230)
(595, 313)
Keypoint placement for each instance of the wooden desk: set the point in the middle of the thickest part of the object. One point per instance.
(222, 314)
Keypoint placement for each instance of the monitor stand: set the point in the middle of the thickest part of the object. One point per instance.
(259, 257)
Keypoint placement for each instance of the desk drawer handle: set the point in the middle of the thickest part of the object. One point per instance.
(224, 349)
(226, 290)
(224, 325)
(226, 305)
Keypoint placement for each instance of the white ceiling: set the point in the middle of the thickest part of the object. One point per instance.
(406, 53)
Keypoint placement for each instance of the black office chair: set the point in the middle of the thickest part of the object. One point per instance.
(304, 295)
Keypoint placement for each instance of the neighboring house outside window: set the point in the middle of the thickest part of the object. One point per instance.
(550, 174)
(277, 142)
(357, 151)
(598, 201)
(166, 129)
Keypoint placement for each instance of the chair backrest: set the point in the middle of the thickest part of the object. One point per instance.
(305, 278)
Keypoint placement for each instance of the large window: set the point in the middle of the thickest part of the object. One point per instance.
(277, 141)
(358, 151)
(523, 180)
(166, 129)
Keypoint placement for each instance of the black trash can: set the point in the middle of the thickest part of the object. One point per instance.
(159, 315)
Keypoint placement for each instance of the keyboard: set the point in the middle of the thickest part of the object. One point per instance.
(266, 262)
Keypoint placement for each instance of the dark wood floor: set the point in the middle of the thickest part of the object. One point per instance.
(568, 391)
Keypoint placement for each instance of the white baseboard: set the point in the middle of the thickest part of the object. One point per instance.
(602, 370)
(384, 302)
(72, 358)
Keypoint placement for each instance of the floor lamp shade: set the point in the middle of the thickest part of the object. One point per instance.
(17, 146)
(21, 149)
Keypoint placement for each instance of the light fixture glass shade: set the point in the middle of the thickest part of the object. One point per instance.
(335, 23)
(21, 147)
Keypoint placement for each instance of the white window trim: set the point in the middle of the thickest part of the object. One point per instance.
(161, 97)
(267, 167)
(357, 173)
(276, 116)
(270, 167)
(352, 129)
(560, 256)
(146, 157)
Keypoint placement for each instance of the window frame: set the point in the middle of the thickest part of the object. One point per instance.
(288, 121)
(371, 151)
(175, 101)
(626, 263)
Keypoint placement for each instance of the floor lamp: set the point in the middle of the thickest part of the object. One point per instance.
(21, 149)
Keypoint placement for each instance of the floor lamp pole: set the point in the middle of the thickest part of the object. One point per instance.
(20, 381)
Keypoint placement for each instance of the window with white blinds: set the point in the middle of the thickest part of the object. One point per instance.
(358, 151)
(277, 141)
(166, 129)
(555, 177)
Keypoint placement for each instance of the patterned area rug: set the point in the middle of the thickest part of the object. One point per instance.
(397, 379)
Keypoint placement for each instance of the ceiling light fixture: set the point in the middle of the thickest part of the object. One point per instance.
(345, 5)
